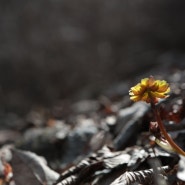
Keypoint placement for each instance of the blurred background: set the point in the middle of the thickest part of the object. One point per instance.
(53, 50)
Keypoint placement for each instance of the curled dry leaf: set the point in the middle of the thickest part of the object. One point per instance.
(141, 177)
(29, 168)
(181, 169)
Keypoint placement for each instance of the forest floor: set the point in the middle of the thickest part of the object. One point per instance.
(97, 141)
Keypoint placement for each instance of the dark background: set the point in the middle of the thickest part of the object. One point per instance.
(53, 50)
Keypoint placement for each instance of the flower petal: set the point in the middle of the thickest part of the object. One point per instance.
(135, 98)
(144, 82)
(151, 81)
(158, 95)
(164, 87)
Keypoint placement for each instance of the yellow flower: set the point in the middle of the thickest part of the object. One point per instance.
(149, 90)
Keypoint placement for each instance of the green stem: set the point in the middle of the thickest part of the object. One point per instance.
(164, 132)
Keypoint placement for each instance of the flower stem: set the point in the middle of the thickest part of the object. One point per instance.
(164, 132)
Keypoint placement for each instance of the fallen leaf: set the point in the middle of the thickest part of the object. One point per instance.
(29, 168)
(181, 168)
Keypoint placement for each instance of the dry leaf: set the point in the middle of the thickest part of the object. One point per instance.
(29, 168)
